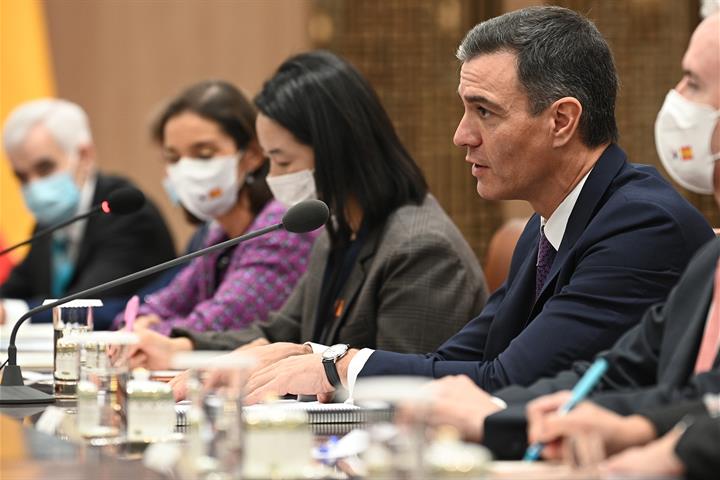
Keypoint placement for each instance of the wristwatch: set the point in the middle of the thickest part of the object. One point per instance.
(329, 357)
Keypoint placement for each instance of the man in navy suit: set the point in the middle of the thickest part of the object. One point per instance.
(608, 239)
(662, 369)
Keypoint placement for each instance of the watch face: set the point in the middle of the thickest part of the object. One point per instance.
(334, 351)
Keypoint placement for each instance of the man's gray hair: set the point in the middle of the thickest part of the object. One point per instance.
(66, 122)
(560, 54)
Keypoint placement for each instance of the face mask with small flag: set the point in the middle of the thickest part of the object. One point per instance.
(683, 132)
(208, 188)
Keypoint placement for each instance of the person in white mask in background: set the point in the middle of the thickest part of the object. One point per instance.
(50, 148)
(217, 170)
(391, 270)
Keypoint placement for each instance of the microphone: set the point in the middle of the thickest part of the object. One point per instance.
(121, 202)
(301, 218)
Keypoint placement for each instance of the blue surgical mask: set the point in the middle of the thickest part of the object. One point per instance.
(52, 199)
(170, 191)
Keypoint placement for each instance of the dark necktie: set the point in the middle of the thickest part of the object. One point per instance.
(546, 255)
(62, 266)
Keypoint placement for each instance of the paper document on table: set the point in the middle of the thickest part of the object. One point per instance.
(317, 412)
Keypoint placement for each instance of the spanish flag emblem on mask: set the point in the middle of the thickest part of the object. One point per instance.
(686, 153)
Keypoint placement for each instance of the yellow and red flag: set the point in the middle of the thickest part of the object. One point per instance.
(25, 74)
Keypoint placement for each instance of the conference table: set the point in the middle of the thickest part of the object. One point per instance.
(26, 453)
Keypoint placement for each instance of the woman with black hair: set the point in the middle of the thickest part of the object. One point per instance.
(217, 170)
(391, 270)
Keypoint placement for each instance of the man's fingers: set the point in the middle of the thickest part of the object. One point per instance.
(263, 392)
(546, 403)
(179, 385)
(553, 450)
(140, 359)
(261, 377)
(179, 391)
(325, 397)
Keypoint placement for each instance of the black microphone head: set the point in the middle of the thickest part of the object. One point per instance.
(124, 200)
(306, 216)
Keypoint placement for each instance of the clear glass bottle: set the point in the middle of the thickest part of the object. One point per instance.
(150, 409)
(102, 389)
(66, 370)
(277, 443)
(71, 318)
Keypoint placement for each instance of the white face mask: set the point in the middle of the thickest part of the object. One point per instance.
(683, 132)
(293, 188)
(207, 188)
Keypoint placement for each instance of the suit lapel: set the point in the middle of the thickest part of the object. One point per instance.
(514, 312)
(356, 280)
(684, 356)
(313, 286)
(597, 183)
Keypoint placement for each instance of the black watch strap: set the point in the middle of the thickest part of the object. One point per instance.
(332, 373)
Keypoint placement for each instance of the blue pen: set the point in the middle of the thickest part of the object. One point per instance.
(581, 390)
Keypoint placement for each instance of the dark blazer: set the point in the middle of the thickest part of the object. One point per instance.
(112, 246)
(699, 448)
(627, 240)
(651, 365)
(415, 282)
(664, 418)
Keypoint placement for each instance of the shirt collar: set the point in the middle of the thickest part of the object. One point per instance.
(554, 227)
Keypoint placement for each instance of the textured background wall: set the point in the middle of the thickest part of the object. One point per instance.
(121, 59)
(407, 50)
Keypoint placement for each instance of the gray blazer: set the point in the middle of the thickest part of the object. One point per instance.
(414, 284)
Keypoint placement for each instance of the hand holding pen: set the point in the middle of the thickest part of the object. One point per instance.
(581, 390)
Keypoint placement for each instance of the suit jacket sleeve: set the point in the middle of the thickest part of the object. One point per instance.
(698, 448)
(281, 326)
(665, 418)
(632, 363)
(610, 287)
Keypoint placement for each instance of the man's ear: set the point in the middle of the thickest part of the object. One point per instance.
(565, 118)
(86, 155)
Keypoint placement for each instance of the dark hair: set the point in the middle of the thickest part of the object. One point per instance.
(222, 103)
(560, 53)
(329, 106)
